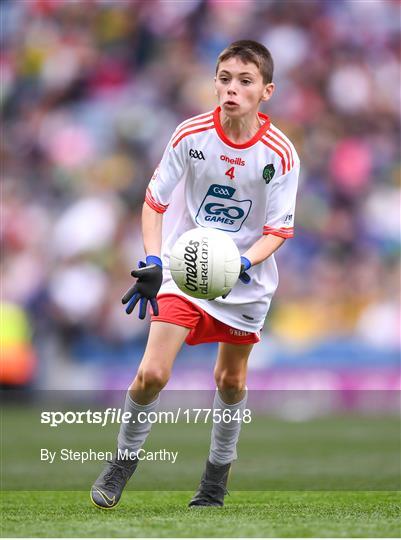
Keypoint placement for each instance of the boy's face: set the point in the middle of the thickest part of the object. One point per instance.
(240, 87)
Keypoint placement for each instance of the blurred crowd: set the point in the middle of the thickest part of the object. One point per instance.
(91, 92)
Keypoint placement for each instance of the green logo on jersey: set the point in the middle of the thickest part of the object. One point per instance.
(268, 172)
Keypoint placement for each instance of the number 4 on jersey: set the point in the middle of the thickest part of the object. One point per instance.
(230, 173)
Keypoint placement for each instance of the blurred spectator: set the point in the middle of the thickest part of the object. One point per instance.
(17, 356)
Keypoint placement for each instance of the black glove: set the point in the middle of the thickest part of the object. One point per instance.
(149, 279)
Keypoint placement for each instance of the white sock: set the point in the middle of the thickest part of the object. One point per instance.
(133, 434)
(223, 447)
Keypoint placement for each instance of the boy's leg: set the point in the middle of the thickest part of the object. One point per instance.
(231, 394)
(164, 342)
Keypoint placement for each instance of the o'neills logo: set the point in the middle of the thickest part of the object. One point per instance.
(235, 332)
(192, 282)
(233, 161)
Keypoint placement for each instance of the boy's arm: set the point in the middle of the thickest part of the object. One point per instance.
(280, 216)
(279, 223)
(150, 273)
(151, 230)
(263, 248)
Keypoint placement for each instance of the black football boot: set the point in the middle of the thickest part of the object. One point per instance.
(213, 486)
(107, 490)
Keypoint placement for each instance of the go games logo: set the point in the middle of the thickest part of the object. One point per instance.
(219, 210)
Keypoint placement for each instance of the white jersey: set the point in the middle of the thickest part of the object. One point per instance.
(246, 190)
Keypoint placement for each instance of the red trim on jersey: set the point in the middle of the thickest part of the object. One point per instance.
(190, 133)
(196, 118)
(266, 142)
(283, 232)
(151, 201)
(201, 123)
(269, 135)
(261, 131)
(274, 131)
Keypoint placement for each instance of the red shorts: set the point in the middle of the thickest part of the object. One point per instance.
(204, 328)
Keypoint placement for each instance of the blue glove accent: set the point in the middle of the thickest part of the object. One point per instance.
(149, 278)
(132, 303)
(245, 265)
(142, 307)
(153, 259)
(246, 262)
(243, 277)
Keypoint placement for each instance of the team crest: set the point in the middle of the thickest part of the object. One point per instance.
(268, 172)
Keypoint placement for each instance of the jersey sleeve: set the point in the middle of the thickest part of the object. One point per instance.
(166, 176)
(281, 204)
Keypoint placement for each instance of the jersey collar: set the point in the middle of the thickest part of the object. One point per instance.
(261, 131)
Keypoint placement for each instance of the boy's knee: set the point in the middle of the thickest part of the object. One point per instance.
(230, 384)
(153, 378)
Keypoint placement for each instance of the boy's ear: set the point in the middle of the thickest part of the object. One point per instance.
(268, 91)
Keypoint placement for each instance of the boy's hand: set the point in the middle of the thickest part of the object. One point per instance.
(245, 265)
(149, 279)
(243, 276)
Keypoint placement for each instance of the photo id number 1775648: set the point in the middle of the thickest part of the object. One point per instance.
(217, 416)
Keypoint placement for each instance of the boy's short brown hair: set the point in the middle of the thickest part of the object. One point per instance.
(250, 51)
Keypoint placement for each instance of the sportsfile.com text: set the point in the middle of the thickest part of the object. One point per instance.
(117, 416)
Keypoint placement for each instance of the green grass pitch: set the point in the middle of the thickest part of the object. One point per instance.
(164, 514)
(334, 476)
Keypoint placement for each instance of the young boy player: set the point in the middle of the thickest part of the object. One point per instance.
(231, 169)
